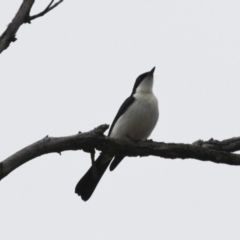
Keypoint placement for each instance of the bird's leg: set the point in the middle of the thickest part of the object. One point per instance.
(148, 140)
(134, 140)
(94, 168)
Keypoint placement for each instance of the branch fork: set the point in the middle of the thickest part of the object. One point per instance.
(21, 17)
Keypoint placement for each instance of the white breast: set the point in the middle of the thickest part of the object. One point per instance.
(139, 120)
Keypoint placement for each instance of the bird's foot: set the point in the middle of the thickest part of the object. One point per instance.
(148, 140)
(134, 140)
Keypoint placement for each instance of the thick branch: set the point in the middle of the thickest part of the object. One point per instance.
(228, 145)
(96, 140)
(21, 17)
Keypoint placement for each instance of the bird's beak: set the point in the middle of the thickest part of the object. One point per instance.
(152, 71)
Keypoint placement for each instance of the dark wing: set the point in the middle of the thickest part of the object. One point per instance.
(116, 161)
(128, 102)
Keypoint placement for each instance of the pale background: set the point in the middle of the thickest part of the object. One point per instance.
(71, 70)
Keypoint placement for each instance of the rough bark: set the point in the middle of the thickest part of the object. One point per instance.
(228, 145)
(21, 17)
(212, 150)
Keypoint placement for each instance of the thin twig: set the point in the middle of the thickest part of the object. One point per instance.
(46, 10)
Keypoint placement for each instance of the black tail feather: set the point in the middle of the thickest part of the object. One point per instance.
(116, 161)
(89, 181)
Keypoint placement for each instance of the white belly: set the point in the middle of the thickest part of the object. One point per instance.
(139, 119)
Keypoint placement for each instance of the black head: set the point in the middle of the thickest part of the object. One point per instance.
(141, 78)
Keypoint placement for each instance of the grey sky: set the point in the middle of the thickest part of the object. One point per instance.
(70, 71)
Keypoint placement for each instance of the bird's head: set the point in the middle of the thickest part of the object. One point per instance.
(144, 82)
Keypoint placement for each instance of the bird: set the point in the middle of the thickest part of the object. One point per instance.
(134, 121)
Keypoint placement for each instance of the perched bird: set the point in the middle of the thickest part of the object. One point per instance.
(135, 120)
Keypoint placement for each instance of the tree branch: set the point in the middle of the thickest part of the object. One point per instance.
(228, 145)
(46, 10)
(95, 139)
(21, 17)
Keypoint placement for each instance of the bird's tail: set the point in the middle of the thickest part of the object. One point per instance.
(90, 180)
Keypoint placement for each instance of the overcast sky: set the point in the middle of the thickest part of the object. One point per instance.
(71, 70)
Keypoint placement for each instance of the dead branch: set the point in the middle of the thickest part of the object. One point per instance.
(21, 17)
(228, 145)
(95, 139)
(46, 10)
